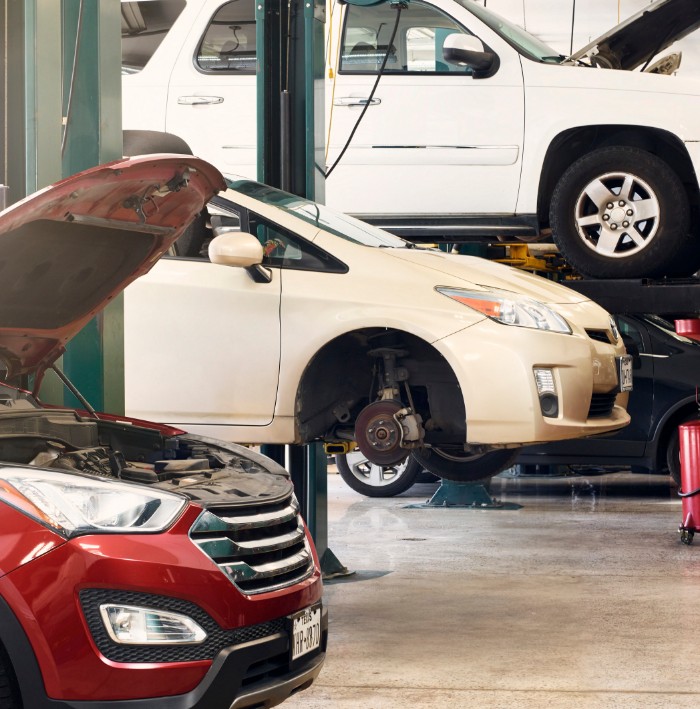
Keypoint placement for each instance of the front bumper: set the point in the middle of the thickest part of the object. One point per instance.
(494, 366)
(59, 658)
(257, 674)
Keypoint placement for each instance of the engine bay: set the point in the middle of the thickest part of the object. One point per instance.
(205, 471)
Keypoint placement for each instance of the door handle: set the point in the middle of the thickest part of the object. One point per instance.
(356, 101)
(199, 100)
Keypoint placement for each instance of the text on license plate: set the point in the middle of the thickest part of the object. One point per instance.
(625, 372)
(306, 631)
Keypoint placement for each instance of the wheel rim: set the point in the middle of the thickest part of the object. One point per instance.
(372, 474)
(617, 215)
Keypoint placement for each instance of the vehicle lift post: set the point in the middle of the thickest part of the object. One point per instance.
(291, 146)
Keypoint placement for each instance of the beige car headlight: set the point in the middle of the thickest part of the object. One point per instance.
(519, 311)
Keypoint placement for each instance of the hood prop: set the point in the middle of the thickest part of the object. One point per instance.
(74, 390)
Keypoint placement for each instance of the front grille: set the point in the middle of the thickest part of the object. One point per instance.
(261, 548)
(217, 638)
(599, 336)
(602, 405)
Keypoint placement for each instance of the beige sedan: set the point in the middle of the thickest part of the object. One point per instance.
(301, 324)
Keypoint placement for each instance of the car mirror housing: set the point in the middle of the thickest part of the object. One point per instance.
(236, 248)
(464, 50)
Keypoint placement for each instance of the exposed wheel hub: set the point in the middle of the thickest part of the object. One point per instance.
(378, 433)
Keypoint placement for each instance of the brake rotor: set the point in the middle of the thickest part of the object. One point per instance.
(378, 434)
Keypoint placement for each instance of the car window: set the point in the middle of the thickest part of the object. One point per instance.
(417, 46)
(337, 223)
(144, 26)
(283, 249)
(629, 330)
(228, 45)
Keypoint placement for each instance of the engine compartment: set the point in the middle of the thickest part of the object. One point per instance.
(209, 472)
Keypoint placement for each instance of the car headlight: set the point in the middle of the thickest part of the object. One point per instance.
(520, 311)
(73, 504)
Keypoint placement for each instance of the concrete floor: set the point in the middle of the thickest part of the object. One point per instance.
(583, 598)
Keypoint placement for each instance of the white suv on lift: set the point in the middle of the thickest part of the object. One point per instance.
(476, 127)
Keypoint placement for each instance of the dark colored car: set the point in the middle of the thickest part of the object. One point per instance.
(666, 373)
(140, 566)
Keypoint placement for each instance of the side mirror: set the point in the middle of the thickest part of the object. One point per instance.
(236, 248)
(467, 50)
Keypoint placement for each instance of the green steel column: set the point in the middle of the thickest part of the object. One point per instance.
(62, 114)
(91, 103)
(290, 42)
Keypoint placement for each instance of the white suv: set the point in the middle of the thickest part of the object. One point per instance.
(476, 127)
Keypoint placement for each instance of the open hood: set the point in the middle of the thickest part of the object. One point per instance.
(637, 40)
(70, 248)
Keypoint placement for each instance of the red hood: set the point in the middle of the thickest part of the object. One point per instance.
(67, 250)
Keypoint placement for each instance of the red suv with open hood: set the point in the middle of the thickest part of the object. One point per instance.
(140, 566)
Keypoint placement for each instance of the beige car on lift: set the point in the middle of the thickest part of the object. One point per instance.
(301, 324)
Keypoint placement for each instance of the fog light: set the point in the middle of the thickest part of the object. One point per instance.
(547, 390)
(132, 625)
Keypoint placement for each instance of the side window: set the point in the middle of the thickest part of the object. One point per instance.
(228, 45)
(283, 249)
(417, 46)
(144, 26)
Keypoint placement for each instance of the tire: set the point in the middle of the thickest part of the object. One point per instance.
(622, 212)
(377, 480)
(144, 142)
(460, 466)
(672, 455)
(9, 692)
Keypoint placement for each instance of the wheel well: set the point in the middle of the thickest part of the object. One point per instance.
(573, 144)
(8, 670)
(676, 419)
(342, 378)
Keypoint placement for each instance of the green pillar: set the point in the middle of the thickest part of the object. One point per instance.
(291, 148)
(91, 100)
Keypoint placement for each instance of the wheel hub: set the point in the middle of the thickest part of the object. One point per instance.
(378, 433)
(617, 215)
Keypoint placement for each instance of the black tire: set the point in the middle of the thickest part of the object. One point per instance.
(608, 243)
(459, 466)
(9, 692)
(144, 142)
(672, 455)
(377, 480)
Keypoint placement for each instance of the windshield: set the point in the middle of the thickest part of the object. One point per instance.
(318, 215)
(517, 37)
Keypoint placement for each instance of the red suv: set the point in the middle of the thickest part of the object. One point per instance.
(141, 566)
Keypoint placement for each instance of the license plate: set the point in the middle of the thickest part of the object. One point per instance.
(624, 371)
(306, 631)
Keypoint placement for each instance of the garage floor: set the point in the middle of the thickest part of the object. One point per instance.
(583, 598)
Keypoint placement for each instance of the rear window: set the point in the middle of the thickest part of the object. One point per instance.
(228, 45)
(144, 26)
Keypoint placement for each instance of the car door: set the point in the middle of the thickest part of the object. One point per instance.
(211, 100)
(431, 127)
(202, 342)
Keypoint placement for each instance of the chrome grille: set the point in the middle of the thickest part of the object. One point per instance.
(260, 548)
(602, 404)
